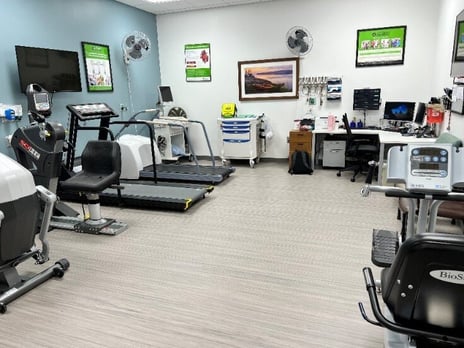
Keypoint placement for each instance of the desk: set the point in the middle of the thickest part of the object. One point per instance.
(386, 140)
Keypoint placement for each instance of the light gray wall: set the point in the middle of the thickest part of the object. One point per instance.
(258, 31)
(64, 24)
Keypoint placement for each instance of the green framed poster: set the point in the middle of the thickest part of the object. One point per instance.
(380, 46)
(97, 67)
(459, 42)
(197, 62)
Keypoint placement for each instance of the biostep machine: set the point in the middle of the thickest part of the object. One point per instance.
(422, 277)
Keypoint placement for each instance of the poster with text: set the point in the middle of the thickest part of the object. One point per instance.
(197, 62)
(380, 46)
(97, 67)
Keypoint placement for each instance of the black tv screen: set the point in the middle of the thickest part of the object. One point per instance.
(54, 70)
(399, 111)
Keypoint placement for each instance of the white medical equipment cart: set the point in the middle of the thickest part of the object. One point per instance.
(170, 134)
(240, 138)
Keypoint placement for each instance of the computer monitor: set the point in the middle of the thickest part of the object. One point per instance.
(420, 114)
(399, 111)
(165, 95)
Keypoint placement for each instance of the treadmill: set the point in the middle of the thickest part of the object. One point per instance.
(149, 194)
(196, 173)
(189, 173)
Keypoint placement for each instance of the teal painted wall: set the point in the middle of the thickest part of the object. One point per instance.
(64, 24)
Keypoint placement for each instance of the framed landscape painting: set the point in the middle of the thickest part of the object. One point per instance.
(268, 79)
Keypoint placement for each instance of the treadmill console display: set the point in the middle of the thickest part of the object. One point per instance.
(429, 168)
(91, 111)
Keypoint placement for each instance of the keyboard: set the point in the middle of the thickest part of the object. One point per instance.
(391, 130)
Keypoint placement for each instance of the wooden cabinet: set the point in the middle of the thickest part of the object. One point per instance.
(299, 141)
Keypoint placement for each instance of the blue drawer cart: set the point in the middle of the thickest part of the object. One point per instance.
(240, 138)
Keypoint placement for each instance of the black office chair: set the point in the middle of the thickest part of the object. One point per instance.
(359, 152)
(423, 290)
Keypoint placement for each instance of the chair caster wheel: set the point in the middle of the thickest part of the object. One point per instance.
(352, 179)
(339, 174)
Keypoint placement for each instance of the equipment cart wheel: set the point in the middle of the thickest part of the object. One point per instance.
(252, 163)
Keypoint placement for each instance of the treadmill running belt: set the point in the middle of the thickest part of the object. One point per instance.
(148, 196)
(188, 172)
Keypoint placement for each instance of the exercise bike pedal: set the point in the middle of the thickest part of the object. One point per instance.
(384, 247)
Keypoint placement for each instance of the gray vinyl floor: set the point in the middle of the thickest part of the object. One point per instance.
(266, 260)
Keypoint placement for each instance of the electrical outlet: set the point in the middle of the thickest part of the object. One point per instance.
(18, 109)
(122, 107)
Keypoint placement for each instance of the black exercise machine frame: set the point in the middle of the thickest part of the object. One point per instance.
(382, 321)
(104, 131)
(74, 127)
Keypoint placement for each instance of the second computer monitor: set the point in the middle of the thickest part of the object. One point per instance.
(165, 94)
(420, 114)
(399, 111)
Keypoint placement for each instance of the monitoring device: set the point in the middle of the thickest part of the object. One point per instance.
(424, 168)
(165, 94)
(429, 168)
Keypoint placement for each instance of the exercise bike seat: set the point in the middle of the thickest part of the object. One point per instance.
(101, 168)
(423, 289)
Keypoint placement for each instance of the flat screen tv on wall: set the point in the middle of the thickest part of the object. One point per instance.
(54, 70)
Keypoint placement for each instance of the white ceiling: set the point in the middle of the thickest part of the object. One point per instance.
(170, 6)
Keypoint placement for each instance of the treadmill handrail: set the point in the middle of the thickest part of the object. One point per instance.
(134, 118)
(207, 141)
(166, 121)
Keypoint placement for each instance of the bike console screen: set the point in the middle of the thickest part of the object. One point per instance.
(430, 168)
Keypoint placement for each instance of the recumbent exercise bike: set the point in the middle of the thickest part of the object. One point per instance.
(20, 218)
(422, 280)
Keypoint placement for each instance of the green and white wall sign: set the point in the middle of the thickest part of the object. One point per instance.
(380, 46)
(197, 62)
(459, 42)
(97, 67)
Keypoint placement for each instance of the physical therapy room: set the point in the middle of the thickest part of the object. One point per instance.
(240, 173)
